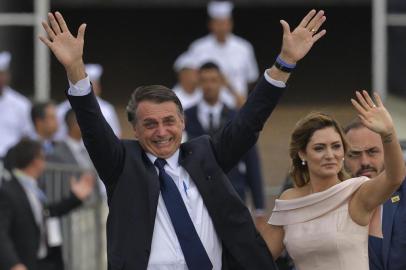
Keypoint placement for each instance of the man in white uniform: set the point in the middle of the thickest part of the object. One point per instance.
(233, 54)
(14, 109)
(186, 87)
(94, 71)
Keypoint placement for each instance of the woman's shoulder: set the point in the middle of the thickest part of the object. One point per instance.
(293, 193)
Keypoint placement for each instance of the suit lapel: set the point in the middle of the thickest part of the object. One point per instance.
(389, 209)
(23, 200)
(194, 169)
(153, 188)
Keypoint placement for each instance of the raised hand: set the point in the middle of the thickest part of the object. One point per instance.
(84, 186)
(297, 44)
(374, 116)
(66, 48)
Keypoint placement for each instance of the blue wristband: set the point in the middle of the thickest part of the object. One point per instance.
(283, 66)
(283, 63)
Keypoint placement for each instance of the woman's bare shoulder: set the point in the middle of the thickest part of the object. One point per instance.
(293, 193)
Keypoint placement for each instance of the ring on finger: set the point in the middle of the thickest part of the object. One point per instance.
(313, 30)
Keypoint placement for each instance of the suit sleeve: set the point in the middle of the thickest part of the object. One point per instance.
(254, 177)
(64, 207)
(105, 149)
(241, 133)
(8, 254)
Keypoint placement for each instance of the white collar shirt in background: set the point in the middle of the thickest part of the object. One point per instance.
(187, 100)
(15, 121)
(235, 57)
(204, 110)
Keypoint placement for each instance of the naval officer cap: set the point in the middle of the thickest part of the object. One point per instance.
(220, 9)
(185, 61)
(5, 58)
(94, 71)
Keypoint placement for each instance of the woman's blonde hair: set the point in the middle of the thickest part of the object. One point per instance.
(304, 130)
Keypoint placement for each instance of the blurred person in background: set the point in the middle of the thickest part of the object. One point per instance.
(30, 237)
(72, 150)
(94, 71)
(209, 117)
(45, 122)
(14, 109)
(234, 55)
(187, 86)
(366, 158)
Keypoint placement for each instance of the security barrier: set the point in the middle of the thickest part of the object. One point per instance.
(83, 230)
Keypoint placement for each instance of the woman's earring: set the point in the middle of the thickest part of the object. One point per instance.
(304, 162)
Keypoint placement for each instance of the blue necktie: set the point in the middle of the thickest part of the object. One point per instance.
(193, 250)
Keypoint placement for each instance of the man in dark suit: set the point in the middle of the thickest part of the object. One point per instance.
(366, 158)
(208, 117)
(171, 204)
(25, 216)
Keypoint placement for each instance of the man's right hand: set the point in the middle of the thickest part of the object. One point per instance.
(66, 48)
(19, 267)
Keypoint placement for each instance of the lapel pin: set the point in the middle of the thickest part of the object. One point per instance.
(395, 199)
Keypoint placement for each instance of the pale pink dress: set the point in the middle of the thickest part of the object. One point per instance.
(319, 232)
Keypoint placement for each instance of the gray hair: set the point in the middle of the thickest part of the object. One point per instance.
(154, 93)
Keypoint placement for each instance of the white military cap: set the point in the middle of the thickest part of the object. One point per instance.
(185, 60)
(220, 9)
(5, 58)
(94, 71)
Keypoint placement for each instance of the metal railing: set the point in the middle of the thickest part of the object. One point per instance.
(83, 230)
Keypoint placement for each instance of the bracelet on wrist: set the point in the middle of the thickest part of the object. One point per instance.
(283, 66)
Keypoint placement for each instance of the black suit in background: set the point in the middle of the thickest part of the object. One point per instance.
(240, 179)
(19, 232)
(133, 186)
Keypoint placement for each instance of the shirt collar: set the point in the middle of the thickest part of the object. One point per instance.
(25, 178)
(172, 161)
(206, 108)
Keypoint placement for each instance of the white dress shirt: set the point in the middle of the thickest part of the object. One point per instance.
(15, 121)
(166, 253)
(235, 57)
(204, 109)
(106, 108)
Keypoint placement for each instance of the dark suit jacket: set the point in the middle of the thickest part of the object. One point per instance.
(252, 176)
(133, 186)
(390, 252)
(19, 233)
(394, 231)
